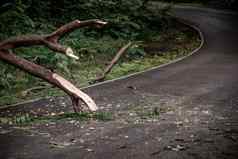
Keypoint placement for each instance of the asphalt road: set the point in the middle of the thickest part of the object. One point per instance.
(197, 99)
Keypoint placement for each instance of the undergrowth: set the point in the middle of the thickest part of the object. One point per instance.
(128, 21)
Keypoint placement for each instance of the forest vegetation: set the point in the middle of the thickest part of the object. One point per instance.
(127, 21)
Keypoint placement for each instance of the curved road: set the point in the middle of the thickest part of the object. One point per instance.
(197, 99)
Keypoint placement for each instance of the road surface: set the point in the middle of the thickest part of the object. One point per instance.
(197, 101)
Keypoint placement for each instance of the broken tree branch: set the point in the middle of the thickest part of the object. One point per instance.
(50, 77)
(112, 63)
(75, 25)
(52, 42)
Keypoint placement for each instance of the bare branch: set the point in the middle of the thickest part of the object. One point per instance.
(51, 40)
(22, 41)
(52, 78)
(75, 25)
(112, 63)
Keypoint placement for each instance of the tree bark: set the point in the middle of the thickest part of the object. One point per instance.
(50, 41)
(112, 63)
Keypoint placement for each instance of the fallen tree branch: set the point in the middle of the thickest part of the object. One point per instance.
(52, 78)
(112, 63)
(52, 42)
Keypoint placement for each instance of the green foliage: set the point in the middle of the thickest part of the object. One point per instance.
(128, 20)
(14, 18)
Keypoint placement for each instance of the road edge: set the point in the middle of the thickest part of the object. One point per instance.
(193, 26)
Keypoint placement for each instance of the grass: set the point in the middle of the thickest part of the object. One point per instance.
(94, 56)
(25, 119)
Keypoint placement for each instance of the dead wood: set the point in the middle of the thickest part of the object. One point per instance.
(112, 63)
(52, 42)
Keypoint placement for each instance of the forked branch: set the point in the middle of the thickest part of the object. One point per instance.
(52, 42)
